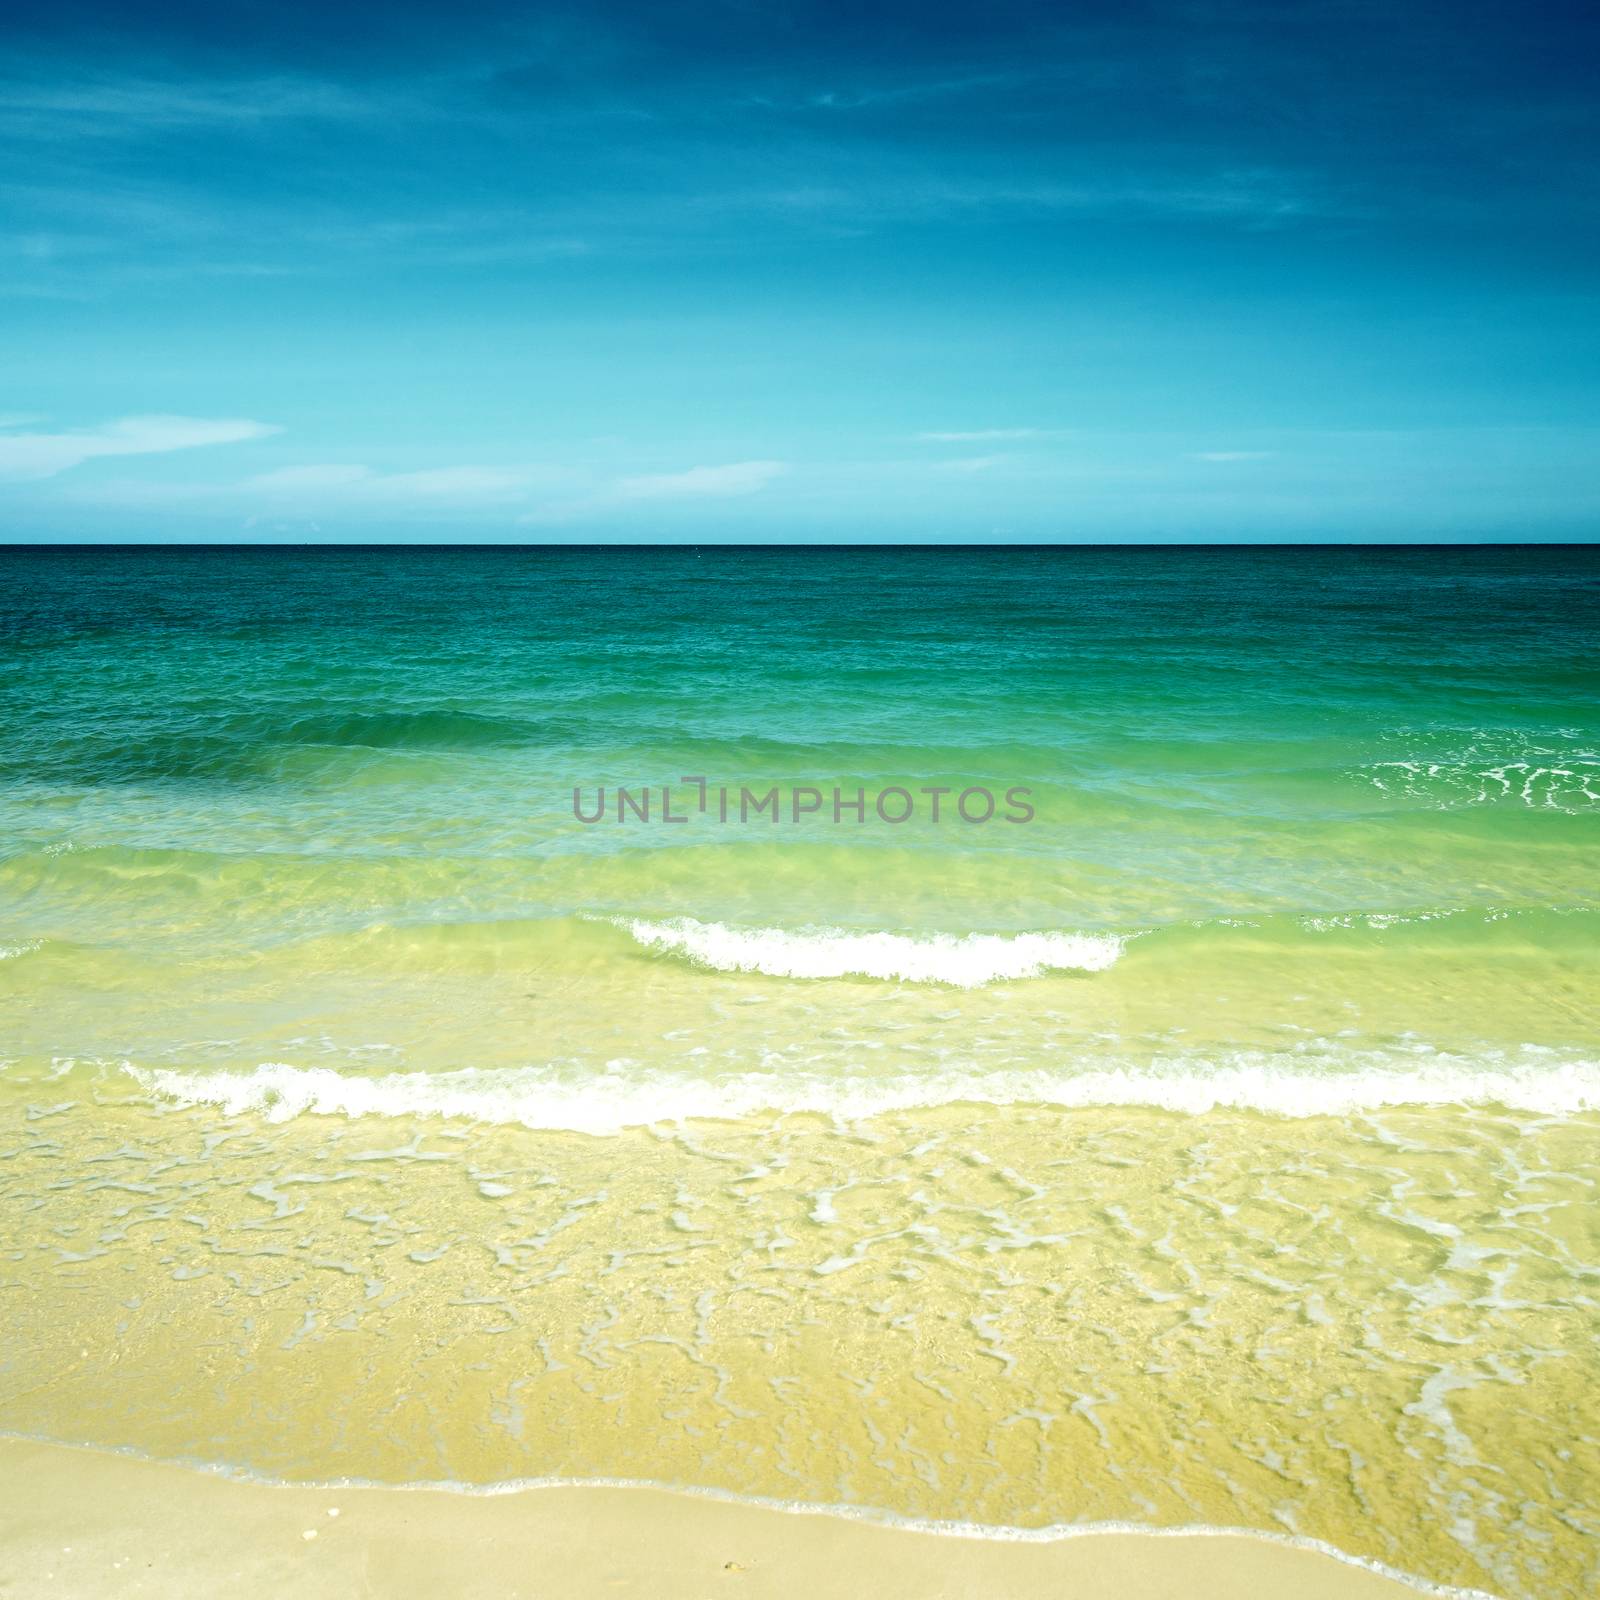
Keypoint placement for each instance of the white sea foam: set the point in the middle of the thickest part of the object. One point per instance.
(1557, 777)
(967, 961)
(625, 1095)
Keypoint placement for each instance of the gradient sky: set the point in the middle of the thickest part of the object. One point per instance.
(760, 271)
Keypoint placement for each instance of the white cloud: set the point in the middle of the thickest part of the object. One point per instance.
(696, 483)
(969, 463)
(293, 480)
(717, 483)
(981, 435)
(328, 487)
(1231, 455)
(131, 105)
(343, 482)
(42, 455)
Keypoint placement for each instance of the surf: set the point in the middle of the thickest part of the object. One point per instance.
(623, 1094)
(964, 961)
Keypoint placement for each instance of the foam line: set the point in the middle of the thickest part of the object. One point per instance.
(542, 1097)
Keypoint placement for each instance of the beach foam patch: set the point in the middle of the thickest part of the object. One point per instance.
(966, 961)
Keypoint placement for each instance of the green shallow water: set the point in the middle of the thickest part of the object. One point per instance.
(1219, 1145)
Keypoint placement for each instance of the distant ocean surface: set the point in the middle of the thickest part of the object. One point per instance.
(1220, 1145)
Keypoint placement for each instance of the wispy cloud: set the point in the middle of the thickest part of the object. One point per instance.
(987, 435)
(899, 94)
(1231, 455)
(727, 482)
(969, 463)
(716, 483)
(131, 105)
(876, 191)
(26, 456)
(339, 482)
(327, 488)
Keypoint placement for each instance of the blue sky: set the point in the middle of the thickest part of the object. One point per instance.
(739, 271)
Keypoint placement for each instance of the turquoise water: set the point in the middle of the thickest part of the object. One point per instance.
(289, 859)
(259, 787)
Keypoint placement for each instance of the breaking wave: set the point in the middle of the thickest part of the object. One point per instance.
(966, 962)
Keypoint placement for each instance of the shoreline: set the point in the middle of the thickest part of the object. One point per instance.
(85, 1522)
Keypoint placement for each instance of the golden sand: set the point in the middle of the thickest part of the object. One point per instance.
(1356, 1332)
(85, 1525)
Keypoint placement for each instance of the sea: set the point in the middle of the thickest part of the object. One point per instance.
(1021, 1040)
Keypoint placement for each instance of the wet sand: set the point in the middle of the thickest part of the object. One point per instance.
(86, 1524)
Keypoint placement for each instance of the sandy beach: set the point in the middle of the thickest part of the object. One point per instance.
(87, 1524)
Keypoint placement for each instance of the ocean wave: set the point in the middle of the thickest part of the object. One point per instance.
(622, 1096)
(388, 916)
(966, 961)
